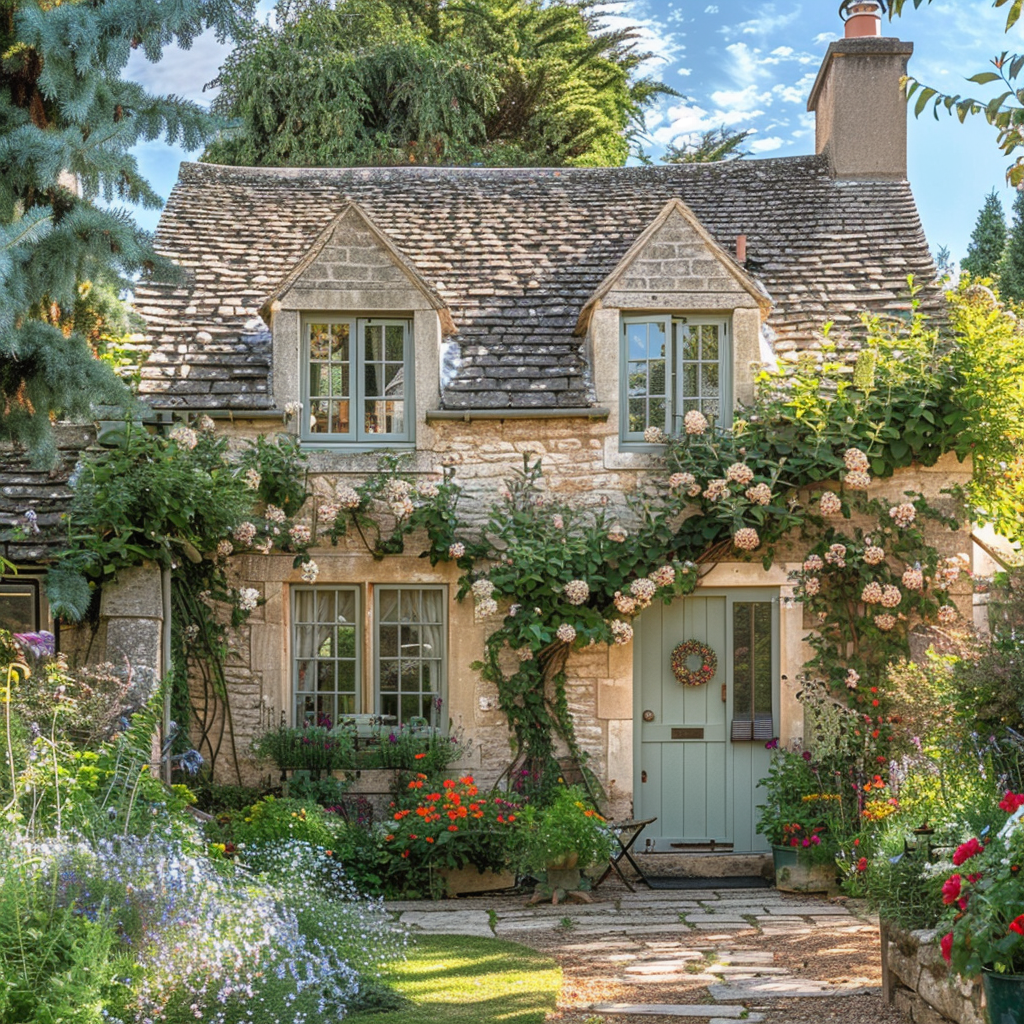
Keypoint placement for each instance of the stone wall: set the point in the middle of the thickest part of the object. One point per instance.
(916, 980)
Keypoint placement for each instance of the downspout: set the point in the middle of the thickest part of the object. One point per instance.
(166, 666)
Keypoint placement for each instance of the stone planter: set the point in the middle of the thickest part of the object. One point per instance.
(795, 873)
(470, 879)
(1004, 998)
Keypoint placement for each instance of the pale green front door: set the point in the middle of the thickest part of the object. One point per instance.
(695, 769)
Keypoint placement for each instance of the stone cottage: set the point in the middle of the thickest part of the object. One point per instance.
(465, 316)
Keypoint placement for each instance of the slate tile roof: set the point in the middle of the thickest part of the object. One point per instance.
(516, 254)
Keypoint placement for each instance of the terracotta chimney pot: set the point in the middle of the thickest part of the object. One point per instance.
(863, 18)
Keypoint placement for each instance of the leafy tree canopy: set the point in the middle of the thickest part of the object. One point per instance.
(1011, 266)
(383, 82)
(68, 121)
(711, 146)
(988, 240)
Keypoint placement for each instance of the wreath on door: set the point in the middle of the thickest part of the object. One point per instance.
(682, 653)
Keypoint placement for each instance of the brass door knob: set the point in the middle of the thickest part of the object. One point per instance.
(648, 716)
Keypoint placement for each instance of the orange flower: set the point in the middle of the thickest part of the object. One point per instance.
(453, 828)
(419, 757)
(405, 853)
(387, 839)
(428, 839)
(448, 783)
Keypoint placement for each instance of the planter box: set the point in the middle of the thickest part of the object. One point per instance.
(917, 981)
(1004, 996)
(794, 873)
(461, 881)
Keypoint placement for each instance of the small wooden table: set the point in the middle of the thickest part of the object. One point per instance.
(626, 834)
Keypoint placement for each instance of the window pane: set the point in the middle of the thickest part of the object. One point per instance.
(395, 343)
(319, 380)
(752, 659)
(339, 418)
(709, 339)
(325, 644)
(637, 416)
(689, 343)
(636, 341)
(410, 652)
(656, 341)
(330, 372)
(637, 379)
(319, 341)
(709, 380)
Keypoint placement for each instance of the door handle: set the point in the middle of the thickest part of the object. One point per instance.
(643, 776)
(724, 697)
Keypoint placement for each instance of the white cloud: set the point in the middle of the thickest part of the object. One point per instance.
(686, 72)
(181, 72)
(766, 145)
(823, 38)
(796, 92)
(711, 9)
(782, 51)
(741, 100)
(769, 21)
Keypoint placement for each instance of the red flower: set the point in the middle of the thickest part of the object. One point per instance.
(951, 889)
(1011, 802)
(862, 864)
(946, 945)
(1017, 924)
(966, 851)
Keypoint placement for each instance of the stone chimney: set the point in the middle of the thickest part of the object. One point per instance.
(860, 110)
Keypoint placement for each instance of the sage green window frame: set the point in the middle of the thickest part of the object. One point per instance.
(755, 690)
(310, 653)
(358, 360)
(404, 656)
(677, 398)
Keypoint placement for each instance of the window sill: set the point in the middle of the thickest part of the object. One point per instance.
(356, 447)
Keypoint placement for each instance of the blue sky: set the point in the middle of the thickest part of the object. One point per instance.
(750, 64)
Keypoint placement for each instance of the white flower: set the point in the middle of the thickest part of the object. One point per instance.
(275, 514)
(813, 563)
(515, 610)
(252, 479)
(205, 424)
(812, 586)
(695, 422)
(760, 494)
(329, 514)
(913, 579)
(830, 504)
(264, 546)
(716, 489)
(310, 571)
(617, 535)
(872, 593)
(681, 481)
(427, 490)
(654, 435)
(856, 461)
(566, 633)
(836, 555)
(891, 596)
(456, 550)
(874, 555)
(885, 622)
(624, 603)
(558, 522)
(402, 509)
(486, 608)
(292, 409)
(244, 533)
(300, 534)
(525, 654)
(191, 632)
(643, 590)
(184, 437)
(663, 576)
(852, 679)
(482, 589)
(746, 539)
(858, 481)
(224, 548)
(903, 515)
(347, 498)
(948, 614)
(248, 598)
(396, 490)
(621, 631)
(576, 592)
(740, 473)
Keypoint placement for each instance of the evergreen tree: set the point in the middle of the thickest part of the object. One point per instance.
(710, 147)
(988, 240)
(1011, 270)
(68, 121)
(496, 82)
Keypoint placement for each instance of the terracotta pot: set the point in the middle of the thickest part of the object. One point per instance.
(569, 860)
(795, 872)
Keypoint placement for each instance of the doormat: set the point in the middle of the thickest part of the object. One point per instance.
(728, 882)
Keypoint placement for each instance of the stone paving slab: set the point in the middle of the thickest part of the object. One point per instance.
(806, 909)
(744, 969)
(716, 918)
(786, 988)
(674, 1010)
(467, 922)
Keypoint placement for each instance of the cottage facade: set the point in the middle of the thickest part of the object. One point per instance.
(466, 316)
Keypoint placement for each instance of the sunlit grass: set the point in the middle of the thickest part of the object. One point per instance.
(454, 978)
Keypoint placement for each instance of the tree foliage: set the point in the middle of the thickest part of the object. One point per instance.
(1011, 266)
(709, 147)
(68, 121)
(383, 82)
(988, 240)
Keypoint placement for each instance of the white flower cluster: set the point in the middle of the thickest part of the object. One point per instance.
(558, 522)
(830, 504)
(948, 614)
(456, 550)
(852, 679)
(486, 607)
(427, 490)
(716, 489)
(813, 563)
(759, 494)
(856, 461)
(402, 509)
(263, 546)
(740, 473)
(903, 515)
(346, 497)
(836, 555)
(576, 592)
(858, 481)
(292, 409)
(328, 514)
(643, 590)
(885, 622)
(205, 424)
(654, 435)
(248, 598)
(891, 596)
(621, 631)
(184, 437)
(566, 633)
(252, 479)
(872, 593)
(482, 589)
(624, 603)
(874, 555)
(274, 514)
(300, 534)
(746, 539)
(396, 489)
(949, 570)
(663, 576)
(694, 422)
(913, 579)
(244, 533)
(812, 586)
(310, 571)
(617, 535)
(224, 548)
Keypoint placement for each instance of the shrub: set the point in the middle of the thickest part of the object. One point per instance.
(567, 825)
(274, 820)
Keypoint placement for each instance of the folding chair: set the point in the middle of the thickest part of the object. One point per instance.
(626, 834)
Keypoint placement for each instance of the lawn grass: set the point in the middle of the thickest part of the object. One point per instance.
(455, 978)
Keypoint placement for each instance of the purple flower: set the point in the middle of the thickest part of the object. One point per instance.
(772, 744)
(807, 755)
(392, 738)
(39, 645)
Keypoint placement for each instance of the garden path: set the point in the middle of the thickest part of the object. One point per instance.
(718, 955)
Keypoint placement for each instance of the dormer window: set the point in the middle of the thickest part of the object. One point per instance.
(358, 379)
(672, 364)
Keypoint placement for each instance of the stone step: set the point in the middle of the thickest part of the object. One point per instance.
(706, 1012)
(745, 969)
(787, 988)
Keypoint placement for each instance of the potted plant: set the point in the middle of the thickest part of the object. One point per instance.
(796, 818)
(984, 897)
(561, 839)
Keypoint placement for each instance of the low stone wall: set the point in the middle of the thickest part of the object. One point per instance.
(916, 980)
